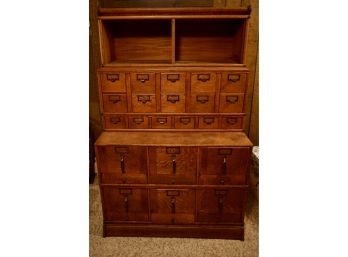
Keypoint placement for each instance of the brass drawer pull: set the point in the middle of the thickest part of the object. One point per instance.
(173, 150)
(144, 98)
(231, 121)
(115, 120)
(114, 99)
(161, 120)
(231, 99)
(233, 77)
(173, 77)
(125, 191)
(138, 120)
(208, 120)
(173, 98)
(202, 99)
(225, 151)
(112, 77)
(121, 150)
(203, 77)
(142, 77)
(173, 193)
(220, 192)
(185, 121)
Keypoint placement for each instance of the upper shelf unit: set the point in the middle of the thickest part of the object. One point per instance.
(181, 36)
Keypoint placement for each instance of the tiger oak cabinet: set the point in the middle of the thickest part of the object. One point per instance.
(173, 159)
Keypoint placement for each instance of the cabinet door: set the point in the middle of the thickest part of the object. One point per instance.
(173, 165)
(125, 204)
(224, 165)
(122, 164)
(171, 206)
(221, 205)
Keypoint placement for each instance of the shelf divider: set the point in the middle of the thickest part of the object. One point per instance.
(173, 41)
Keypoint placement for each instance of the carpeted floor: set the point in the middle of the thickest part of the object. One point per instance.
(169, 247)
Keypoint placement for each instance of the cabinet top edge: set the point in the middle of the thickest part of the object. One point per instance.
(180, 11)
(174, 138)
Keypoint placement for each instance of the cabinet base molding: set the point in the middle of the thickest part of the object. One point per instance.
(186, 231)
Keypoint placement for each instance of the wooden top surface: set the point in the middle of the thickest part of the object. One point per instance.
(174, 12)
(177, 138)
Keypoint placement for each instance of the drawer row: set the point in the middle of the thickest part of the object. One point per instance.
(178, 92)
(154, 121)
(173, 206)
(173, 165)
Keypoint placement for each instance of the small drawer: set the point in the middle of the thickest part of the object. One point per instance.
(184, 122)
(208, 122)
(138, 122)
(144, 103)
(115, 103)
(203, 82)
(172, 103)
(143, 82)
(231, 122)
(115, 122)
(203, 102)
(161, 122)
(173, 82)
(113, 82)
(232, 103)
(233, 82)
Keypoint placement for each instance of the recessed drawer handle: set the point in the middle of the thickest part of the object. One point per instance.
(208, 120)
(115, 120)
(231, 121)
(233, 77)
(144, 98)
(112, 77)
(138, 120)
(142, 77)
(203, 77)
(173, 98)
(161, 120)
(172, 201)
(114, 99)
(173, 77)
(185, 121)
(202, 99)
(231, 99)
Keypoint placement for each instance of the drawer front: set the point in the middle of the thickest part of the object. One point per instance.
(203, 82)
(173, 102)
(143, 82)
(113, 82)
(231, 122)
(143, 103)
(233, 82)
(220, 205)
(138, 122)
(231, 103)
(125, 204)
(224, 164)
(170, 206)
(173, 83)
(115, 122)
(203, 102)
(173, 165)
(161, 122)
(122, 164)
(184, 122)
(115, 103)
(208, 122)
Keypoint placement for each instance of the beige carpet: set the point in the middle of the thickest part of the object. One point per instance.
(169, 247)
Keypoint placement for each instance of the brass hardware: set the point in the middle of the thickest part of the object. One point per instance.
(114, 98)
(142, 77)
(231, 121)
(125, 191)
(185, 121)
(233, 77)
(112, 77)
(173, 77)
(173, 98)
(225, 151)
(143, 98)
(203, 77)
(115, 120)
(173, 150)
(231, 99)
(208, 120)
(220, 192)
(121, 150)
(138, 120)
(161, 120)
(202, 98)
(173, 193)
